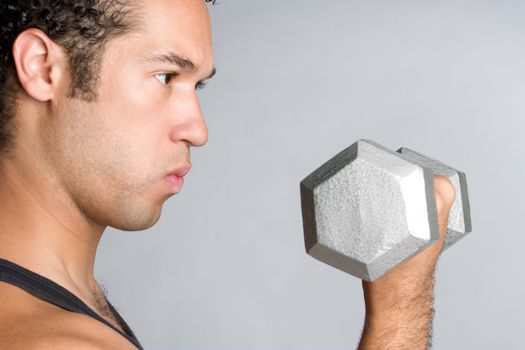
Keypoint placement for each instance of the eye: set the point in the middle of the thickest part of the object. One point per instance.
(166, 77)
(200, 85)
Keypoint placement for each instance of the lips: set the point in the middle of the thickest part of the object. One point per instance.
(180, 172)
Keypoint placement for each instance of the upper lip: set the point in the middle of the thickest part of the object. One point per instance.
(181, 171)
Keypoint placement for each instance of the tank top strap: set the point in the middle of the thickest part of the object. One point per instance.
(54, 293)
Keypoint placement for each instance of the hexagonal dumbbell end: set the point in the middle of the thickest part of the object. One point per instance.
(459, 221)
(367, 209)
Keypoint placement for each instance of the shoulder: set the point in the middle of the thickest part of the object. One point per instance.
(29, 323)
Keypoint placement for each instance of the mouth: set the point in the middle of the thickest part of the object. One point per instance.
(175, 178)
(181, 171)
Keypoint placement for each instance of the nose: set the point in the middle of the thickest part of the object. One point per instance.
(189, 122)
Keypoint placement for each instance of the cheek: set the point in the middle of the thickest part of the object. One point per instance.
(101, 150)
(132, 141)
(109, 181)
(91, 150)
(132, 118)
(137, 109)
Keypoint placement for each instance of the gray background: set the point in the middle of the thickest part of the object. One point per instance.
(298, 81)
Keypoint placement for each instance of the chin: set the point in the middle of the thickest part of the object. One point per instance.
(137, 220)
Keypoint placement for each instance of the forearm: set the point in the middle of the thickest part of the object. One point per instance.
(399, 305)
(398, 317)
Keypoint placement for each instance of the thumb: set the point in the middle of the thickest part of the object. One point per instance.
(445, 194)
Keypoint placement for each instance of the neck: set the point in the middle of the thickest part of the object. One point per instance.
(42, 229)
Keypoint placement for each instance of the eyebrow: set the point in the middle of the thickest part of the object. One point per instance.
(172, 58)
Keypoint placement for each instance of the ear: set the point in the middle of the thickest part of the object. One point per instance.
(38, 63)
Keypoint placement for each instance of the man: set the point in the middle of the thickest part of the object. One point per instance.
(98, 112)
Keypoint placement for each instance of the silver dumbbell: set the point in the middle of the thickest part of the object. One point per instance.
(369, 208)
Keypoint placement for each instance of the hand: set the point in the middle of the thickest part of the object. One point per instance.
(399, 304)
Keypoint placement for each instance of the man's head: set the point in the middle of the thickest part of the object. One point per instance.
(82, 28)
(105, 100)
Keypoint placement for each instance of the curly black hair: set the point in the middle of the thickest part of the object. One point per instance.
(81, 27)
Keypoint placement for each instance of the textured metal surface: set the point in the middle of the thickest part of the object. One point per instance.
(459, 221)
(367, 209)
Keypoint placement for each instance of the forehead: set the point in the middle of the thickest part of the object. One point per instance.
(182, 26)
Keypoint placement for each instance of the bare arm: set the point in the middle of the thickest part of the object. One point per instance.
(399, 305)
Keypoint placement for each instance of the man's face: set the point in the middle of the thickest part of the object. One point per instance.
(113, 155)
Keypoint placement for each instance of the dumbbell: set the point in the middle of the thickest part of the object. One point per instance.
(368, 209)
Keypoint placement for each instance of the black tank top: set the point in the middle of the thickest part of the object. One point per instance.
(54, 293)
